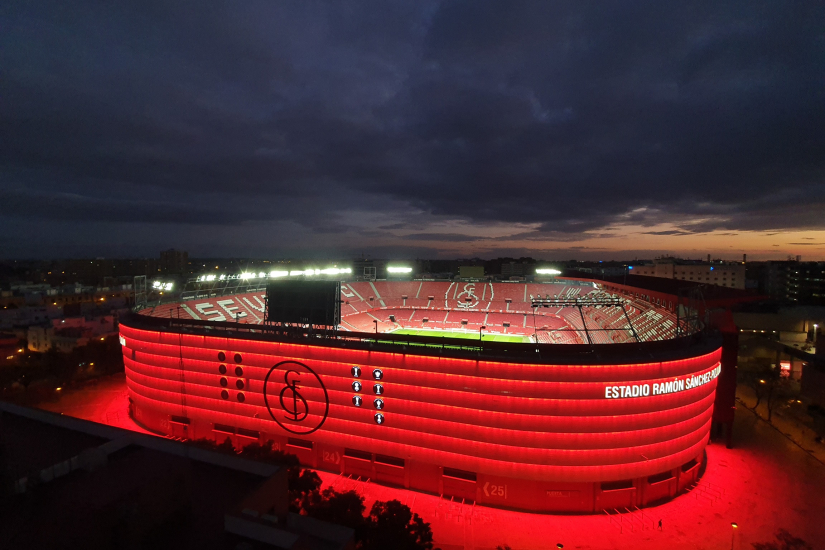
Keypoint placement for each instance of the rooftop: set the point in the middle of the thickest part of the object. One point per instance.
(86, 485)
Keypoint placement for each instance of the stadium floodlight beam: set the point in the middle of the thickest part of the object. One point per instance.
(398, 269)
(247, 275)
(335, 270)
(278, 273)
(325, 271)
(543, 271)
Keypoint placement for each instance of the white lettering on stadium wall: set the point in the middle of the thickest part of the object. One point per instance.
(672, 386)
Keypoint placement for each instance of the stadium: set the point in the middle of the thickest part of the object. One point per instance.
(559, 396)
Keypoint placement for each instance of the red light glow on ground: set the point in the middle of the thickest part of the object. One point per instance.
(766, 482)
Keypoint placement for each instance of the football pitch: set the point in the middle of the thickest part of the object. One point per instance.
(457, 334)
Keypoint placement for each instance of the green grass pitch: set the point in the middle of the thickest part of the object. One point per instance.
(466, 335)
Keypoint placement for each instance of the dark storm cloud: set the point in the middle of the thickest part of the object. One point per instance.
(574, 116)
(74, 207)
(450, 237)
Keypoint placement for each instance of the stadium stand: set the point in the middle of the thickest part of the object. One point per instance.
(419, 303)
(461, 306)
(397, 289)
(515, 292)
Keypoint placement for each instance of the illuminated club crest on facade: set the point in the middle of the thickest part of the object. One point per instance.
(296, 397)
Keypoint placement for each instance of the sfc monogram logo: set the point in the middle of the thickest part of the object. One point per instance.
(289, 389)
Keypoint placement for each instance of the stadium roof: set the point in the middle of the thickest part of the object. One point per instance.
(711, 293)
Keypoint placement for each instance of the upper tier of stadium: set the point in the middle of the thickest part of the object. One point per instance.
(585, 312)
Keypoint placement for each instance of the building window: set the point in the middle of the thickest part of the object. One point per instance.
(391, 460)
(658, 478)
(360, 455)
(617, 485)
(688, 465)
(301, 443)
(459, 474)
(249, 433)
(224, 428)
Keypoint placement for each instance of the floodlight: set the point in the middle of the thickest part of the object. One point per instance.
(399, 269)
(543, 271)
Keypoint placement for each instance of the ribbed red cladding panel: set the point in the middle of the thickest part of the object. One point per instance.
(549, 423)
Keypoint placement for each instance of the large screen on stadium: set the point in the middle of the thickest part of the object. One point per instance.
(304, 302)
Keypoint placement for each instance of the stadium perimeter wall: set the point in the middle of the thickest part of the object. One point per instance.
(539, 435)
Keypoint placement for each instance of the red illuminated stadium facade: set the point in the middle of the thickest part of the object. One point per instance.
(585, 414)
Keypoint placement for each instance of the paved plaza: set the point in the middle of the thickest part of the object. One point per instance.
(764, 483)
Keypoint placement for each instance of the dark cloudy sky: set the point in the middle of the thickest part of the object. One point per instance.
(412, 128)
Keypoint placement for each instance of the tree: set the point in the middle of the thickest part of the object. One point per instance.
(226, 446)
(784, 541)
(770, 386)
(389, 525)
(394, 525)
(758, 381)
(345, 508)
(778, 392)
(302, 482)
(301, 487)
